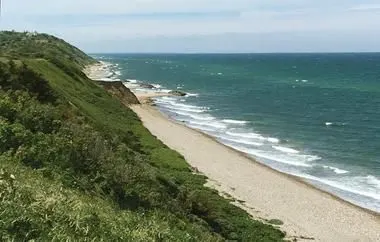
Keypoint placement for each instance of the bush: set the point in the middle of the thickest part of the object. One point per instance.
(20, 77)
(12, 136)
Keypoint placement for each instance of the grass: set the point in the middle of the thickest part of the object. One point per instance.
(86, 168)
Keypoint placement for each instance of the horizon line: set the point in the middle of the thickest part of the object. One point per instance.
(237, 53)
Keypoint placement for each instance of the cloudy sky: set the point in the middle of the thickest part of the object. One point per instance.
(202, 25)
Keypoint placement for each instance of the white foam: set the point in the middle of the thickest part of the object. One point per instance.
(311, 158)
(174, 108)
(156, 86)
(214, 124)
(335, 124)
(245, 135)
(286, 149)
(187, 106)
(232, 121)
(168, 98)
(273, 140)
(240, 141)
(195, 116)
(168, 101)
(373, 181)
(278, 158)
(181, 107)
(251, 135)
(368, 186)
(304, 81)
(132, 80)
(336, 170)
(192, 94)
(281, 159)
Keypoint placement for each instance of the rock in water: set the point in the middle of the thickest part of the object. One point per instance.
(177, 93)
(149, 86)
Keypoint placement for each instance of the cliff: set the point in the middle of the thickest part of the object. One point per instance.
(117, 89)
(78, 165)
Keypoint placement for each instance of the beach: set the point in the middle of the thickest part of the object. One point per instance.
(307, 212)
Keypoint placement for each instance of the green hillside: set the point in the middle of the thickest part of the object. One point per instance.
(77, 165)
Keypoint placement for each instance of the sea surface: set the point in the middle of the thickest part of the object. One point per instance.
(315, 116)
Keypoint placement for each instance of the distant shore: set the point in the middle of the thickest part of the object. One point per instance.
(307, 213)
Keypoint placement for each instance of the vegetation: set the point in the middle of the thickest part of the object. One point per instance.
(77, 165)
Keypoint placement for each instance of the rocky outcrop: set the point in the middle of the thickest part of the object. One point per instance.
(148, 86)
(177, 93)
(117, 89)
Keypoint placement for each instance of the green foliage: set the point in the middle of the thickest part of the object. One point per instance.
(14, 77)
(75, 164)
(18, 45)
(44, 210)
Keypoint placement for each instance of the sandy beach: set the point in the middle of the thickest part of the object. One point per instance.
(308, 214)
(98, 71)
(305, 211)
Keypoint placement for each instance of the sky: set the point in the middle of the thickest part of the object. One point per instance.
(193, 26)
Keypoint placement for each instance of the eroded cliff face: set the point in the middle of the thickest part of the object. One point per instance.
(117, 89)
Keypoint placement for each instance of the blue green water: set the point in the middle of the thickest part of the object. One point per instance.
(316, 116)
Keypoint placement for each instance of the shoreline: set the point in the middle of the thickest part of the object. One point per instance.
(247, 156)
(294, 225)
(293, 229)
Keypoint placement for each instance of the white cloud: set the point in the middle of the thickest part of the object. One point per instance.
(121, 6)
(22, 7)
(366, 7)
(247, 22)
(95, 21)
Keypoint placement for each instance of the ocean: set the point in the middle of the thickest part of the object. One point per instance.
(314, 116)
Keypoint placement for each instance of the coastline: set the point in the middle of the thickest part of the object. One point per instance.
(312, 202)
(303, 181)
(307, 212)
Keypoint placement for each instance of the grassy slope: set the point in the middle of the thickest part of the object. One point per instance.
(146, 192)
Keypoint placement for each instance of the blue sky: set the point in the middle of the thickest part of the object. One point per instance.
(202, 25)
